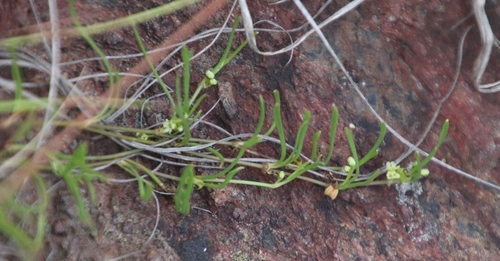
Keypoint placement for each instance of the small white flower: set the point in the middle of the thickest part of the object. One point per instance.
(393, 175)
(170, 126)
(166, 126)
(347, 168)
(391, 170)
(424, 172)
(391, 166)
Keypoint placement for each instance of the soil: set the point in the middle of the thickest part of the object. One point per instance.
(403, 55)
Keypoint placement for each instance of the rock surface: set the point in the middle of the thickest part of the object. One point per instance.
(403, 55)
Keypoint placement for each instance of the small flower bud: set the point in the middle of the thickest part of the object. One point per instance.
(351, 161)
(209, 74)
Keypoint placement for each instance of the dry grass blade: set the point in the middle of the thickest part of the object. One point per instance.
(487, 39)
(249, 26)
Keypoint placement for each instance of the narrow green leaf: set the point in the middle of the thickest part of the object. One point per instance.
(352, 146)
(147, 192)
(301, 170)
(373, 151)
(417, 169)
(299, 139)
(186, 56)
(279, 127)
(184, 190)
(442, 136)
(222, 60)
(314, 152)
(333, 131)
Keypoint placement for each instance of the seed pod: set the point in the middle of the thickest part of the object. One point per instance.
(332, 191)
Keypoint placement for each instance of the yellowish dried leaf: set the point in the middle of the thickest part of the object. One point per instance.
(332, 191)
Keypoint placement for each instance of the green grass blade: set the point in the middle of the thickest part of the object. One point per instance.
(222, 60)
(22, 105)
(333, 131)
(416, 171)
(315, 139)
(146, 170)
(373, 151)
(11, 230)
(178, 97)
(271, 129)
(352, 146)
(73, 185)
(262, 117)
(186, 56)
(43, 202)
(279, 127)
(299, 139)
(16, 76)
(217, 154)
(238, 50)
(303, 169)
(184, 190)
(361, 183)
(195, 105)
(145, 193)
(442, 136)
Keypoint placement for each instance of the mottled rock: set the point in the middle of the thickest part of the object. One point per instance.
(403, 55)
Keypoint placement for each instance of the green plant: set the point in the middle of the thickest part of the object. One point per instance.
(289, 166)
(174, 141)
(74, 170)
(16, 218)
